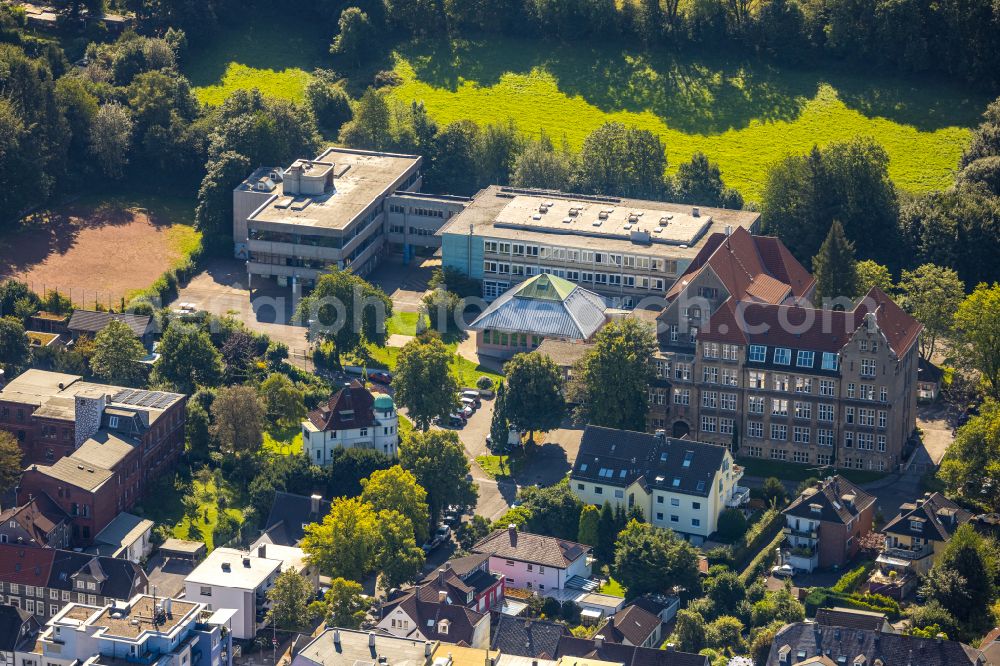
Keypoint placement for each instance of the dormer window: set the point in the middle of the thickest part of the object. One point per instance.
(443, 627)
(112, 421)
(782, 356)
(916, 525)
(757, 353)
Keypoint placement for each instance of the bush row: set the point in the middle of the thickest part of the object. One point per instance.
(164, 288)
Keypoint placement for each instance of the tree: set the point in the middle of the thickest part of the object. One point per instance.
(349, 467)
(534, 399)
(622, 161)
(621, 358)
(732, 525)
(607, 534)
(197, 432)
(587, 530)
(699, 182)
(932, 614)
(346, 543)
(187, 358)
(873, 274)
(977, 323)
(370, 127)
(289, 599)
(329, 103)
(472, 531)
(453, 167)
(10, 461)
(555, 510)
(15, 349)
(835, 267)
(354, 38)
(971, 466)
(650, 559)
(238, 420)
(343, 604)
(773, 490)
(725, 633)
(726, 591)
(399, 558)
(437, 459)
(932, 295)
(423, 381)
(689, 631)
(346, 310)
(540, 165)
(284, 401)
(213, 214)
(111, 138)
(117, 354)
(500, 423)
(396, 489)
(964, 579)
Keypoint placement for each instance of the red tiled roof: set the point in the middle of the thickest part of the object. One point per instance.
(26, 565)
(347, 409)
(766, 289)
(38, 517)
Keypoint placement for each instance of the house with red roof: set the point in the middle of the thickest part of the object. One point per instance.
(746, 360)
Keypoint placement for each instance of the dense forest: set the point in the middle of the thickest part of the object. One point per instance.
(125, 116)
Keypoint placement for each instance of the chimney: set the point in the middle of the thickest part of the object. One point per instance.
(262, 550)
(314, 501)
(512, 532)
(371, 639)
(695, 212)
(87, 413)
(729, 230)
(599, 641)
(442, 597)
(428, 647)
(336, 637)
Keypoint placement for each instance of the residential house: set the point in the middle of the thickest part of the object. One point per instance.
(989, 648)
(825, 525)
(142, 630)
(349, 647)
(663, 606)
(91, 322)
(239, 580)
(929, 378)
(525, 637)
(52, 414)
(430, 613)
(851, 618)
(38, 522)
(744, 361)
(534, 562)
(470, 575)
(633, 625)
(353, 417)
(913, 539)
(43, 580)
(572, 649)
(544, 307)
(623, 249)
(127, 536)
(678, 484)
(800, 642)
(18, 631)
(289, 515)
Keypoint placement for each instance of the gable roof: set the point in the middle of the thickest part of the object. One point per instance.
(90, 321)
(622, 457)
(289, 512)
(548, 551)
(804, 640)
(75, 473)
(116, 578)
(545, 305)
(831, 496)
(851, 618)
(741, 260)
(428, 615)
(12, 620)
(629, 655)
(528, 638)
(26, 565)
(349, 408)
(38, 517)
(632, 623)
(937, 516)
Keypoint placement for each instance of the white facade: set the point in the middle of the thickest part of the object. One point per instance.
(689, 515)
(398, 623)
(382, 435)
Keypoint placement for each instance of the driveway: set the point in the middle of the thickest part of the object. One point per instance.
(935, 423)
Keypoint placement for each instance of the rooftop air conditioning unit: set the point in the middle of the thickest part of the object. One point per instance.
(543, 209)
(603, 215)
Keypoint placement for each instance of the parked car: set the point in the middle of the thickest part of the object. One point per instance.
(380, 377)
(442, 533)
(469, 403)
(466, 411)
(472, 395)
(456, 419)
(782, 571)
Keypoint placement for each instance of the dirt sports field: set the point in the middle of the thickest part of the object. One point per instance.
(95, 251)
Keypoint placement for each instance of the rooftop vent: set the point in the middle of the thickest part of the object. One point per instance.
(695, 212)
(603, 215)
(543, 208)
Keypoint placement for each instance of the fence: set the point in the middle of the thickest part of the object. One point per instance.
(85, 297)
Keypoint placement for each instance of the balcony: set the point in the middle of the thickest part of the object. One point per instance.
(800, 558)
(739, 497)
(908, 554)
(802, 534)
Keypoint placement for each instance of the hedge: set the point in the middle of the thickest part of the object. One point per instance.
(853, 579)
(759, 564)
(164, 288)
(767, 530)
(823, 597)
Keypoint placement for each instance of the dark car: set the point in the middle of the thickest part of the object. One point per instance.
(380, 377)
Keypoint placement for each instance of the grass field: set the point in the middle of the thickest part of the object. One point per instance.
(168, 508)
(285, 442)
(268, 48)
(786, 471)
(403, 323)
(742, 116)
(100, 248)
(465, 371)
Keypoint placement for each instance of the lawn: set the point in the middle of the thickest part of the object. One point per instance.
(168, 509)
(786, 471)
(742, 115)
(492, 467)
(612, 587)
(269, 48)
(403, 323)
(287, 441)
(466, 372)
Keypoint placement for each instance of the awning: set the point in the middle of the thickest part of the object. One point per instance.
(892, 561)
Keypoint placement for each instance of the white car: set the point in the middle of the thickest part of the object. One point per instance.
(782, 571)
(467, 411)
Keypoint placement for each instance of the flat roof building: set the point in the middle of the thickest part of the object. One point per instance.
(342, 209)
(623, 249)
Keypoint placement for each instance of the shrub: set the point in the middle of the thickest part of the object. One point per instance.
(732, 524)
(853, 579)
(484, 383)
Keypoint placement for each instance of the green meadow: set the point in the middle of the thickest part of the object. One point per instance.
(742, 115)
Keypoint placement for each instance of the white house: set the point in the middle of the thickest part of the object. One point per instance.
(352, 418)
(678, 484)
(237, 579)
(434, 616)
(534, 562)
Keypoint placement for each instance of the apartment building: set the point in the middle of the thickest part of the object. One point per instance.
(141, 630)
(623, 249)
(346, 208)
(350, 647)
(682, 485)
(353, 417)
(744, 360)
(824, 526)
(43, 580)
(53, 415)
